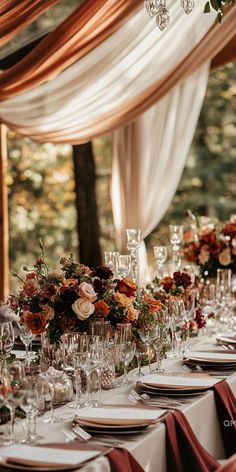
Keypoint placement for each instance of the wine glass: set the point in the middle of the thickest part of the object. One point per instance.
(176, 321)
(160, 256)
(189, 304)
(111, 261)
(127, 351)
(7, 339)
(160, 345)
(51, 364)
(133, 237)
(148, 336)
(26, 337)
(124, 265)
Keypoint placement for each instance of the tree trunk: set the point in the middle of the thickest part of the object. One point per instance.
(86, 205)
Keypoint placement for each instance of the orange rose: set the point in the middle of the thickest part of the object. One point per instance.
(153, 304)
(101, 308)
(167, 283)
(127, 287)
(35, 322)
(122, 299)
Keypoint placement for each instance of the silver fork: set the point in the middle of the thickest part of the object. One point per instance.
(144, 399)
(79, 433)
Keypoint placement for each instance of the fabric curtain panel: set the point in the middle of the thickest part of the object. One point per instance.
(149, 157)
(21, 15)
(82, 31)
(122, 77)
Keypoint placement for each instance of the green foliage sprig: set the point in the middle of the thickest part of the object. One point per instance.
(218, 6)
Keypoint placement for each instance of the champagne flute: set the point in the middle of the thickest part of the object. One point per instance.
(127, 351)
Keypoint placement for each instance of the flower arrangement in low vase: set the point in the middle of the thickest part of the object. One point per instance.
(67, 299)
(212, 248)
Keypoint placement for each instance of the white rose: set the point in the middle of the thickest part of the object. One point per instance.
(83, 308)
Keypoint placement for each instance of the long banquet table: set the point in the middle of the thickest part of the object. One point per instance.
(149, 447)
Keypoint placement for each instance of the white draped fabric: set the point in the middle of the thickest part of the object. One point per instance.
(149, 157)
(112, 74)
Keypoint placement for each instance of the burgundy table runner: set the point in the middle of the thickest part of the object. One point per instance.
(122, 461)
(226, 410)
(183, 450)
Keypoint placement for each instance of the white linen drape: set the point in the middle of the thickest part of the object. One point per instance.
(149, 157)
(112, 74)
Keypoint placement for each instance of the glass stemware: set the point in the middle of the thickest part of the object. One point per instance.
(176, 238)
(189, 304)
(160, 346)
(133, 237)
(124, 265)
(26, 336)
(160, 256)
(176, 321)
(111, 261)
(51, 365)
(7, 339)
(7, 424)
(127, 351)
(148, 336)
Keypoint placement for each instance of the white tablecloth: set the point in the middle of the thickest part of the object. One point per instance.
(149, 447)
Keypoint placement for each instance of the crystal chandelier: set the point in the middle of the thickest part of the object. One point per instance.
(157, 9)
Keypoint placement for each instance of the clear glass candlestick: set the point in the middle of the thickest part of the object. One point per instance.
(176, 238)
(111, 261)
(124, 265)
(133, 238)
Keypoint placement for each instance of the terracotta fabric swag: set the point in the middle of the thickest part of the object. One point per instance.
(81, 32)
(19, 15)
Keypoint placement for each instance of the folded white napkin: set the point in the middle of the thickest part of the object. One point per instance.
(166, 381)
(44, 456)
(118, 416)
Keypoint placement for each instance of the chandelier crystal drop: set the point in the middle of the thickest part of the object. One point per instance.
(162, 18)
(187, 5)
(151, 7)
(158, 9)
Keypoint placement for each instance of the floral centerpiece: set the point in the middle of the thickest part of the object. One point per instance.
(67, 299)
(212, 248)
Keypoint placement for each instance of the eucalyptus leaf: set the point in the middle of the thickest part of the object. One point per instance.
(207, 8)
(214, 4)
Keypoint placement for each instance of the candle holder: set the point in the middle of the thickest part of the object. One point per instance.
(176, 238)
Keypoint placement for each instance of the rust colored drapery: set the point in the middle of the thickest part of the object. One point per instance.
(82, 31)
(212, 43)
(21, 15)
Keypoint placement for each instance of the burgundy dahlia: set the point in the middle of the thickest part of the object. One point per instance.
(182, 279)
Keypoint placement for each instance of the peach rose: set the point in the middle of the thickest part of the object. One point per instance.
(82, 308)
(225, 257)
(122, 299)
(86, 290)
(132, 313)
(204, 257)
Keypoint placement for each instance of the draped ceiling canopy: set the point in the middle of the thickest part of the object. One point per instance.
(107, 68)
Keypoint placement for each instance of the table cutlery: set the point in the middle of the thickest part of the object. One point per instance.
(144, 399)
(197, 369)
(78, 433)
